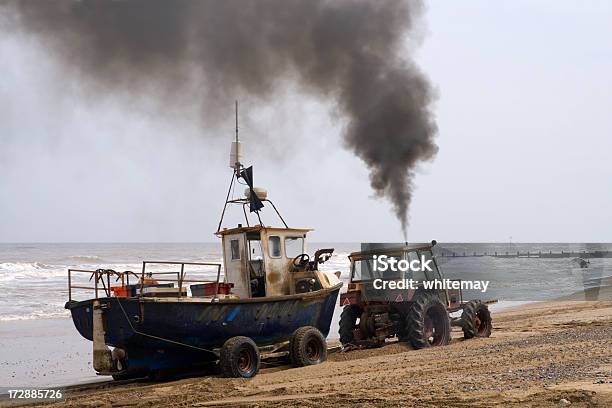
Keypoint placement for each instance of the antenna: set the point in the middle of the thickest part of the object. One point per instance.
(236, 150)
(236, 120)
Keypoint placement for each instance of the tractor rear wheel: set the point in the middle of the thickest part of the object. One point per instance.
(476, 320)
(348, 323)
(427, 322)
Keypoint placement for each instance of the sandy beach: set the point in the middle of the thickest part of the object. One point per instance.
(543, 354)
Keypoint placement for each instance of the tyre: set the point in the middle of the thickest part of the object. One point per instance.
(427, 323)
(239, 357)
(307, 347)
(476, 320)
(348, 323)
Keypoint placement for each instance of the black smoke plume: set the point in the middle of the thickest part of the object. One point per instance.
(352, 52)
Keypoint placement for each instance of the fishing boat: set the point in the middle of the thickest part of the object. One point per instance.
(267, 300)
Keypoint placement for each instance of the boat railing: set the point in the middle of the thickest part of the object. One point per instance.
(101, 279)
(105, 281)
(160, 276)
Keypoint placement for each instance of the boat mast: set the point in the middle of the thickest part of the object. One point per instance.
(237, 164)
(236, 121)
(235, 174)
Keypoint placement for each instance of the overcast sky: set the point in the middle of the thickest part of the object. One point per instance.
(525, 137)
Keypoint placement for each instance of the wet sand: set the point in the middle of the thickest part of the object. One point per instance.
(44, 352)
(546, 354)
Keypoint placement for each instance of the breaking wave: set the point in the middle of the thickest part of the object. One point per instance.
(35, 315)
(22, 266)
(10, 271)
(84, 258)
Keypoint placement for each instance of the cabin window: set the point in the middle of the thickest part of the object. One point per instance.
(294, 246)
(416, 275)
(235, 249)
(434, 274)
(275, 246)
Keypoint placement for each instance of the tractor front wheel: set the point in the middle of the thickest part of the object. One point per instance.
(348, 323)
(427, 322)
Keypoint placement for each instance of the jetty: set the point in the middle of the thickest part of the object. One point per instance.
(528, 254)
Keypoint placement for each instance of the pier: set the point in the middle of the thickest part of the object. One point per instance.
(529, 254)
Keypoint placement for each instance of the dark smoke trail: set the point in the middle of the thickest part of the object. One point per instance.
(349, 51)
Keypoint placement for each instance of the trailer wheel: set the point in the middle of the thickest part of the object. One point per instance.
(239, 357)
(427, 322)
(348, 323)
(476, 320)
(307, 347)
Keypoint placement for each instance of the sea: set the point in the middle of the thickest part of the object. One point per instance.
(33, 277)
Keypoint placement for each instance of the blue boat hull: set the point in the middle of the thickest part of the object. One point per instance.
(182, 333)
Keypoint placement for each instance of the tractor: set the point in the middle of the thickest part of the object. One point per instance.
(422, 317)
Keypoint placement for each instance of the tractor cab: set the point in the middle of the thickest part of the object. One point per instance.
(385, 263)
(381, 264)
